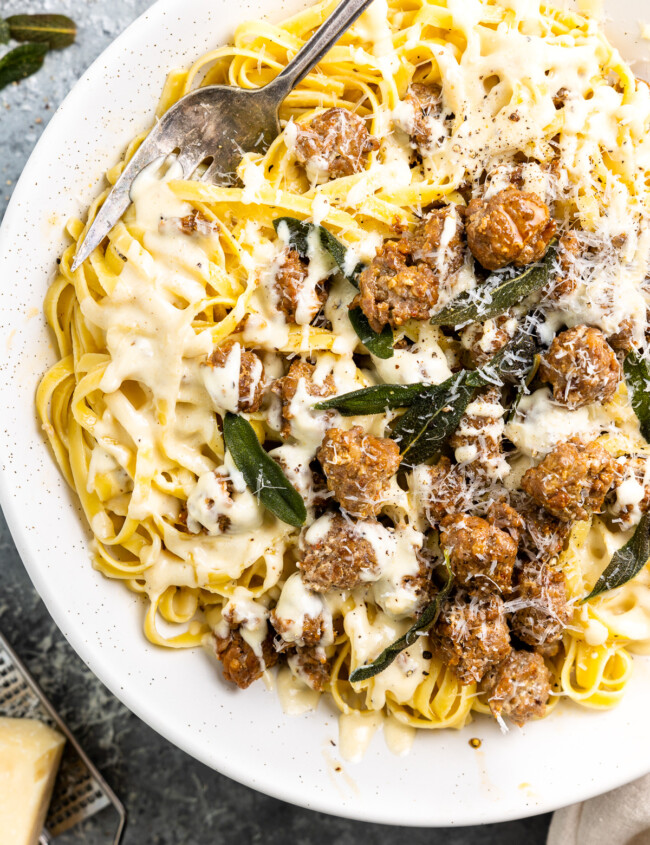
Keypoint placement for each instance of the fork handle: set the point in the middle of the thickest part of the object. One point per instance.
(320, 43)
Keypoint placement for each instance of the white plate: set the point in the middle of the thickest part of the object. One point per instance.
(572, 755)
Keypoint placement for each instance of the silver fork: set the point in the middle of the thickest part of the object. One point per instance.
(220, 122)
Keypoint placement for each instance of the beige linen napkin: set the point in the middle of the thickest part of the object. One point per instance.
(621, 817)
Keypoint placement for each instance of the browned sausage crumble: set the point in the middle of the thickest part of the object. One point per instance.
(251, 375)
(402, 281)
(504, 516)
(342, 559)
(519, 687)
(313, 629)
(240, 664)
(512, 227)
(471, 635)
(478, 440)
(572, 480)
(541, 598)
(335, 142)
(358, 468)
(481, 555)
(426, 131)
(287, 387)
(446, 491)
(581, 367)
(544, 535)
(481, 341)
(311, 666)
(289, 281)
(566, 280)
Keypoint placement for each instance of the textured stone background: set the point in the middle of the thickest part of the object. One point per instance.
(171, 799)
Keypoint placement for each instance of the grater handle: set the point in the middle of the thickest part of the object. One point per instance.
(44, 838)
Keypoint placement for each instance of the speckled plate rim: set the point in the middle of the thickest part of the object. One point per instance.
(537, 769)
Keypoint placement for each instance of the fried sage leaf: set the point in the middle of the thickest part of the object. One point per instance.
(299, 232)
(627, 562)
(263, 475)
(4, 32)
(380, 345)
(512, 364)
(637, 377)
(57, 31)
(376, 399)
(426, 426)
(423, 430)
(21, 62)
(425, 622)
(496, 295)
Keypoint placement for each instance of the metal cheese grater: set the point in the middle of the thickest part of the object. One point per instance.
(80, 791)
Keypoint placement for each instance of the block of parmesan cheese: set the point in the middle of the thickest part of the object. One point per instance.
(30, 753)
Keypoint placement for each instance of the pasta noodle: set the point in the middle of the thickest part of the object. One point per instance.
(130, 410)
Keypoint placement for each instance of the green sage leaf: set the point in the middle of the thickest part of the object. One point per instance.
(263, 476)
(512, 364)
(423, 430)
(423, 624)
(380, 345)
(299, 232)
(57, 31)
(637, 378)
(496, 295)
(627, 562)
(376, 399)
(425, 427)
(4, 32)
(523, 388)
(21, 62)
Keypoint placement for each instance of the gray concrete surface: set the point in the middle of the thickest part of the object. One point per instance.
(171, 799)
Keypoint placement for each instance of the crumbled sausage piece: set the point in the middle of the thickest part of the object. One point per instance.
(342, 559)
(478, 439)
(335, 143)
(544, 535)
(623, 339)
(420, 585)
(213, 504)
(568, 249)
(443, 490)
(393, 291)
(308, 480)
(192, 223)
(504, 516)
(572, 480)
(300, 373)
(560, 98)
(519, 687)
(541, 589)
(289, 284)
(481, 341)
(548, 649)
(425, 127)
(471, 635)
(240, 664)
(631, 490)
(512, 227)
(251, 374)
(402, 281)
(581, 366)
(358, 468)
(481, 555)
(438, 241)
(311, 666)
(312, 629)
